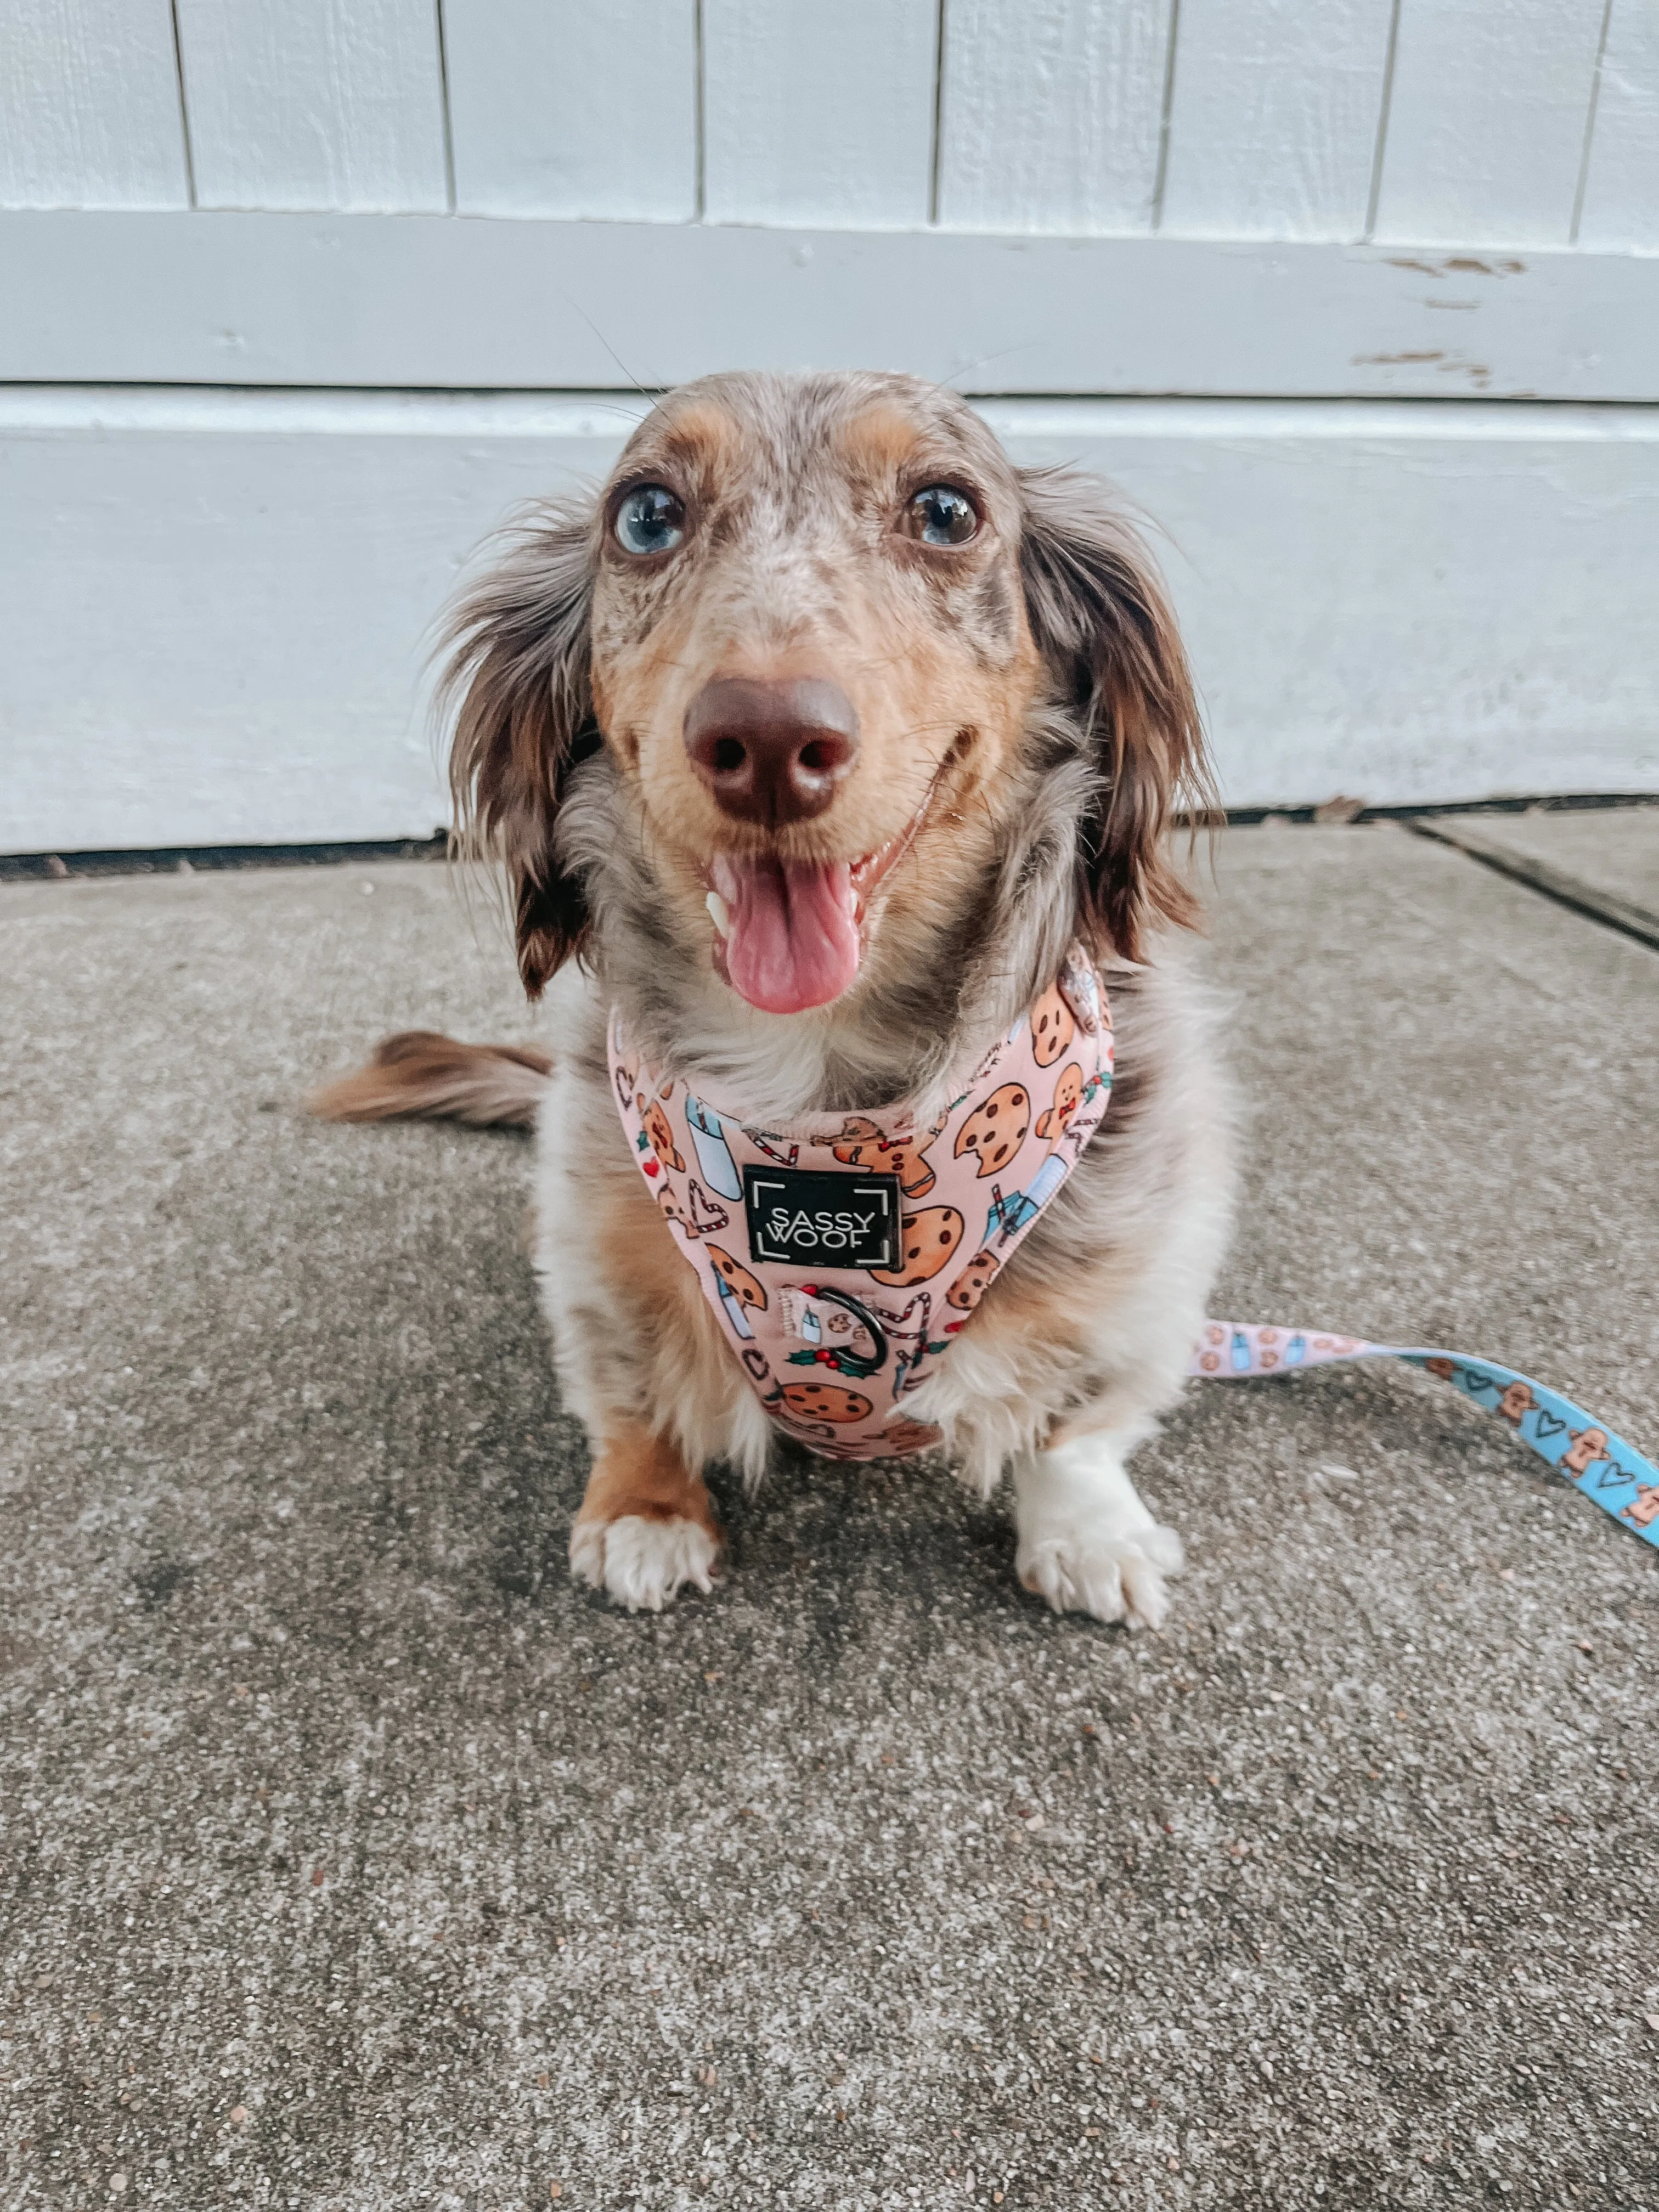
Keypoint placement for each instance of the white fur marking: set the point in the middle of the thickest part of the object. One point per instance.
(641, 1563)
(1086, 1542)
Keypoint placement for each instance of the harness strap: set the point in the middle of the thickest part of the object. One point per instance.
(843, 1257)
(1590, 1455)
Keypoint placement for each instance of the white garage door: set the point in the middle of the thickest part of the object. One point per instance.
(1360, 299)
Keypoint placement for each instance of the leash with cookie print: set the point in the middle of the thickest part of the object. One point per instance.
(1588, 1453)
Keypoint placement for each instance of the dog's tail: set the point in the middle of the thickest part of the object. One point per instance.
(420, 1073)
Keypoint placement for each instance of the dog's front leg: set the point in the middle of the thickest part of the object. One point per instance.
(1086, 1542)
(647, 1523)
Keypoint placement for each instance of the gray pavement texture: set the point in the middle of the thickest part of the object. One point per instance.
(1615, 849)
(354, 1859)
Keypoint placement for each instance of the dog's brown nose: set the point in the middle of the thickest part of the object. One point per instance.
(772, 751)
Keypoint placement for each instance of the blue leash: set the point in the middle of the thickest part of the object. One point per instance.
(1590, 1455)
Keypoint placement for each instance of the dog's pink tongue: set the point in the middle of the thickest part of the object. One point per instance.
(793, 942)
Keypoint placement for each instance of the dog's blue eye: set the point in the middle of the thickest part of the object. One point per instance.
(650, 520)
(941, 515)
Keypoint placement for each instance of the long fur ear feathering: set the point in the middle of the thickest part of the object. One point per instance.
(516, 678)
(1103, 622)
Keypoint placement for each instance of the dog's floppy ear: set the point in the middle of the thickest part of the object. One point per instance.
(517, 674)
(1104, 625)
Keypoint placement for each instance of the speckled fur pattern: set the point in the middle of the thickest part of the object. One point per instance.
(1039, 693)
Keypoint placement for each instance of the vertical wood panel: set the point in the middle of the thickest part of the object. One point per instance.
(816, 113)
(89, 113)
(1051, 113)
(1621, 184)
(574, 108)
(1486, 121)
(1273, 120)
(315, 103)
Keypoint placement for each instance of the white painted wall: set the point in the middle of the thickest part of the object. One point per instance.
(315, 103)
(1487, 117)
(1467, 123)
(90, 110)
(1276, 118)
(214, 611)
(816, 114)
(337, 260)
(444, 303)
(1051, 115)
(1620, 205)
(567, 109)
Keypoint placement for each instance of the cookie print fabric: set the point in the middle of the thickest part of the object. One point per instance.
(844, 1257)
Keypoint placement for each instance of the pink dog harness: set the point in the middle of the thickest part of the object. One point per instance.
(844, 1258)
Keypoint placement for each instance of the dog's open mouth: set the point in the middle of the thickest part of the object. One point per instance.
(788, 930)
(789, 934)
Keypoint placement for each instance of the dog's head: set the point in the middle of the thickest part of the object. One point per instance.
(824, 627)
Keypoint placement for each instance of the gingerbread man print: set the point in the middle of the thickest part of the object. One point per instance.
(1068, 1097)
(1585, 1448)
(661, 1131)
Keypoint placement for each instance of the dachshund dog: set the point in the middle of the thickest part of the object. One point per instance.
(810, 745)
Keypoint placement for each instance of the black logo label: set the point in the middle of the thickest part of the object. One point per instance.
(807, 1219)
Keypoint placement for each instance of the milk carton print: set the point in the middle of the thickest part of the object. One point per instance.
(720, 1169)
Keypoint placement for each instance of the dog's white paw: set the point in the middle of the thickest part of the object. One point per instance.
(1089, 1570)
(639, 1563)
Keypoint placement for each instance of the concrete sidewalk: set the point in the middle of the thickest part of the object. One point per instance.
(1615, 848)
(353, 1859)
